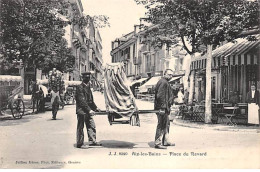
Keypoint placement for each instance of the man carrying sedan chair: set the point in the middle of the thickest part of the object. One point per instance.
(163, 101)
(85, 109)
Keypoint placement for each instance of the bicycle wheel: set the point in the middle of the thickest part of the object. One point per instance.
(17, 108)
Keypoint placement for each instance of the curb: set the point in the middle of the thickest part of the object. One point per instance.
(216, 128)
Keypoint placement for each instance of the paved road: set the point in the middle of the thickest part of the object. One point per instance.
(36, 141)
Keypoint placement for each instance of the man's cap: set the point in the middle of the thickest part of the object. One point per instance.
(86, 73)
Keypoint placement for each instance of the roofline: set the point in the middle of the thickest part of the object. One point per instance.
(122, 46)
(133, 38)
(249, 32)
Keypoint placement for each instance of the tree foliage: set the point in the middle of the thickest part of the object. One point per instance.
(99, 21)
(201, 22)
(31, 31)
(204, 23)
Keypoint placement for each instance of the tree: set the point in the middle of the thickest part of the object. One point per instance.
(175, 25)
(99, 21)
(204, 23)
(32, 32)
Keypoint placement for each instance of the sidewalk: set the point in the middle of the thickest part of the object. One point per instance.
(219, 127)
(146, 105)
(199, 125)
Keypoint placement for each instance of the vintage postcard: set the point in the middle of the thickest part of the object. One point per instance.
(129, 84)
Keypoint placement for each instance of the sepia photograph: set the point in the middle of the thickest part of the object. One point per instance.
(129, 84)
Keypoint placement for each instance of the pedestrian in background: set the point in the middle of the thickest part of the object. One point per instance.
(85, 107)
(55, 102)
(42, 93)
(35, 96)
(180, 95)
(186, 96)
(200, 96)
(163, 102)
(253, 106)
(253, 96)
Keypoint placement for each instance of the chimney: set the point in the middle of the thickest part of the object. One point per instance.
(136, 29)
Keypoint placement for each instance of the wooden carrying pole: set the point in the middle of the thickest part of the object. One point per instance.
(139, 112)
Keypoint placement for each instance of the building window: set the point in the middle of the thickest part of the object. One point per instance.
(128, 53)
(148, 63)
(122, 53)
(134, 51)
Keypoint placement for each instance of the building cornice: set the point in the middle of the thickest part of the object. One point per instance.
(132, 39)
(124, 45)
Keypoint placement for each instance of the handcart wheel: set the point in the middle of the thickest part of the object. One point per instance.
(2, 111)
(17, 108)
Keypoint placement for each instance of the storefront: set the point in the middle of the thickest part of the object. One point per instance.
(235, 67)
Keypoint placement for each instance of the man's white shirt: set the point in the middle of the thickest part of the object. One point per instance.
(253, 94)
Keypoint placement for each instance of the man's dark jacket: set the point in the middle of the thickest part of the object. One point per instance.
(249, 98)
(163, 95)
(84, 99)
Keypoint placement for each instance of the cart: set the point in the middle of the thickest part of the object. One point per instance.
(43, 85)
(70, 89)
(11, 96)
(69, 96)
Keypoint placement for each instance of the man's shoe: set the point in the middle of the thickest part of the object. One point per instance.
(160, 147)
(78, 146)
(82, 146)
(95, 144)
(169, 144)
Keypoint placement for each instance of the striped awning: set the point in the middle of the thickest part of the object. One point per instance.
(237, 53)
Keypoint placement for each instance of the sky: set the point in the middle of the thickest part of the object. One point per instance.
(123, 15)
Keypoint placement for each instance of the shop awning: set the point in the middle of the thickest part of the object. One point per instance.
(149, 84)
(175, 78)
(10, 78)
(138, 81)
(233, 53)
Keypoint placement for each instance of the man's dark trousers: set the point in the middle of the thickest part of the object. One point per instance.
(163, 128)
(91, 129)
